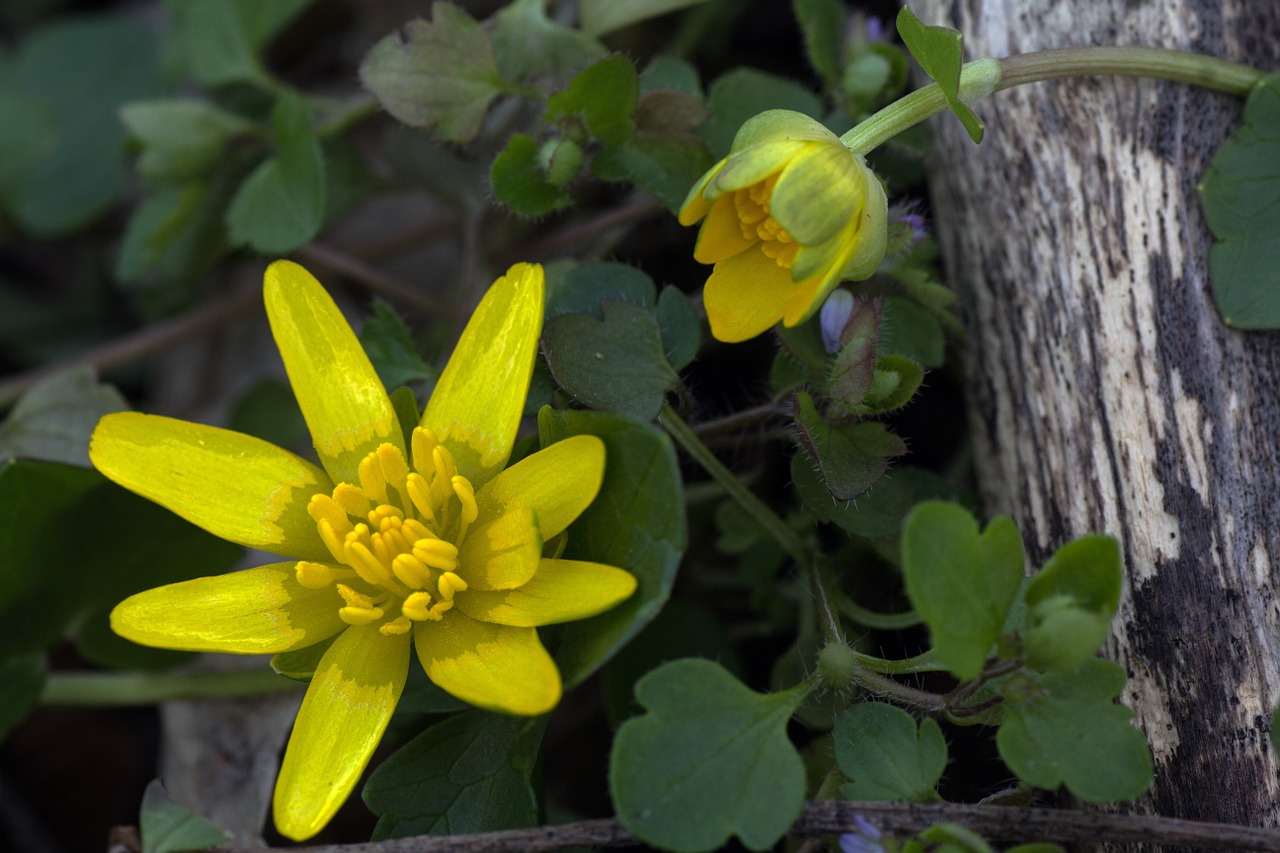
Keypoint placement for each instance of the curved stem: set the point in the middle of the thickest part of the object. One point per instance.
(148, 688)
(979, 79)
(926, 662)
(745, 498)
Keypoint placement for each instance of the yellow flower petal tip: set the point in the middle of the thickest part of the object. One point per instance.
(786, 216)
(425, 544)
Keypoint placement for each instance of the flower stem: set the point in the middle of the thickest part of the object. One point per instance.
(148, 688)
(980, 78)
(765, 517)
(926, 662)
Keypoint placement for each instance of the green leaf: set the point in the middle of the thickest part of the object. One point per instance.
(135, 545)
(395, 357)
(281, 204)
(615, 364)
(176, 233)
(21, 682)
(519, 180)
(673, 73)
(471, 773)
(940, 52)
(684, 629)
(604, 95)
(605, 16)
(181, 137)
(681, 330)
(709, 760)
(169, 827)
(822, 22)
(880, 512)
(885, 757)
(67, 84)
(528, 44)
(1072, 600)
(1239, 195)
(961, 582)
(584, 287)
(663, 164)
(637, 523)
(221, 40)
(744, 92)
(1063, 728)
(850, 457)
(912, 331)
(436, 74)
(54, 419)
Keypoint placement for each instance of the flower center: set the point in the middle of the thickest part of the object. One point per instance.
(396, 536)
(752, 205)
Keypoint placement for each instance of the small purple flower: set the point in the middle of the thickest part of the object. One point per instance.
(865, 840)
(834, 317)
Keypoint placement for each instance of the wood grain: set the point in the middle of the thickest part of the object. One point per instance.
(1105, 393)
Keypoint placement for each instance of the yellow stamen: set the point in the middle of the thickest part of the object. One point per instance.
(315, 575)
(360, 609)
(449, 584)
(420, 495)
(352, 500)
(423, 442)
(394, 469)
(371, 479)
(417, 606)
(436, 553)
(367, 566)
(332, 540)
(398, 625)
(411, 571)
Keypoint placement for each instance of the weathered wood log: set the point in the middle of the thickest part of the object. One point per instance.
(1105, 393)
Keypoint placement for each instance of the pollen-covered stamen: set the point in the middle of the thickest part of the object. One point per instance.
(753, 206)
(396, 535)
(361, 609)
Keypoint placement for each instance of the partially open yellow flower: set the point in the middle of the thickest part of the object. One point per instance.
(790, 213)
(429, 544)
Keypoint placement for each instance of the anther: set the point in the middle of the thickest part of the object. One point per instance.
(420, 495)
(371, 479)
(449, 584)
(411, 571)
(398, 625)
(352, 500)
(417, 606)
(394, 469)
(313, 575)
(437, 553)
(423, 442)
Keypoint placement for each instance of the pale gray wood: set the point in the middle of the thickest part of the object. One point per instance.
(1105, 393)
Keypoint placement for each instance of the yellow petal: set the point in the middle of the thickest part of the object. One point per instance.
(696, 203)
(235, 486)
(342, 718)
(746, 295)
(345, 404)
(502, 551)
(559, 482)
(721, 235)
(495, 667)
(255, 611)
(476, 406)
(561, 591)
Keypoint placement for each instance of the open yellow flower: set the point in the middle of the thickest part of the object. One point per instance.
(427, 543)
(789, 214)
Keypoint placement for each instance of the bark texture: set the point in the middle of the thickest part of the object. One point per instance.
(1105, 393)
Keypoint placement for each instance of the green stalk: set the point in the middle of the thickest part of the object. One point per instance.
(745, 498)
(982, 77)
(148, 688)
(926, 662)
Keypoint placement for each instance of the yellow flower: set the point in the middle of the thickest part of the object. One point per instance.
(789, 214)
(429, 544)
